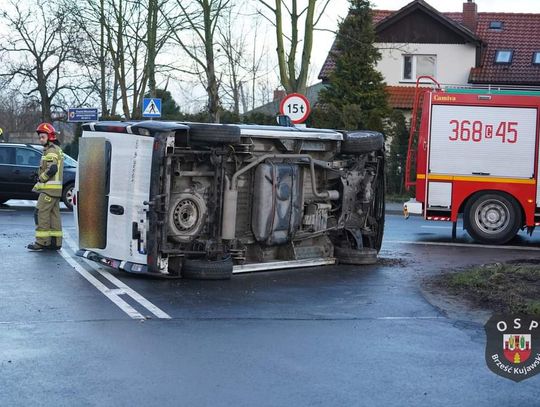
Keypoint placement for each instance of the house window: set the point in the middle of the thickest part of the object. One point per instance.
(496, 25)
(418, 65)
(536, 58)
(503, 56)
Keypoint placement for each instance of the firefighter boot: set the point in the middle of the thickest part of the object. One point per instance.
(35, 247)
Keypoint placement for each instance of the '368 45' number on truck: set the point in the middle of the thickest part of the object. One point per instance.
(476, 131)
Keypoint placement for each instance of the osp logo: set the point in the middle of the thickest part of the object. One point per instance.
(513, 346)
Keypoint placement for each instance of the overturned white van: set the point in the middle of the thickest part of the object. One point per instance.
(205, 201)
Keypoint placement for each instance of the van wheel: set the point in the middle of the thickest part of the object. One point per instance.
(377, 210)
(493, 218)
(214, 134)
(363, 256)
(365, 141)
(67, 196)
(197, 269)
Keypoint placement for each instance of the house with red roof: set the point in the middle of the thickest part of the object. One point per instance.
(457, 48)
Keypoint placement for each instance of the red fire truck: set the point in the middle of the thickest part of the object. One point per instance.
(476, 154)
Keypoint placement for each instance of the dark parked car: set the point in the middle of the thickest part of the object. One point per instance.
(18, 172)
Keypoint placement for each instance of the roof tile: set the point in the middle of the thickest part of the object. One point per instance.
(402, 97)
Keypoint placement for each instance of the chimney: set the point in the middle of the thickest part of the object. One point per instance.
(470, 15)
(279, 94)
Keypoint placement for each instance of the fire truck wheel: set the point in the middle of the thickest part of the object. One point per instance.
(359, 142)
(202, 269)
(493, 218)
(361, 256)
(214, 134)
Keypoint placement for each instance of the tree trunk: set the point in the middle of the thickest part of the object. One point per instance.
(151, 46)
(212, 86)
(301, 82)
(46, 115)
(284, 77)
(292, 77)
(102, 65)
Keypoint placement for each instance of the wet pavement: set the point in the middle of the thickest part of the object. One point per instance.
(329, 336)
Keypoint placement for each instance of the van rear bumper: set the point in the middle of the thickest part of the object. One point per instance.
(128, 266)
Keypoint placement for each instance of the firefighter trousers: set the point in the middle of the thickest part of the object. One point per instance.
(48, 222)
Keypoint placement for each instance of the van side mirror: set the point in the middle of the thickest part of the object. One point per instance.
(284, 120)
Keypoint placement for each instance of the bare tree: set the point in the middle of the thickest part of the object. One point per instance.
(202, 18)
(37, 51)
(234, 48)
(243, 54)
(17, 114)
(293, 76)
(126, 37)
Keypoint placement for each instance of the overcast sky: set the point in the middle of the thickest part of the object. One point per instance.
(339, 8)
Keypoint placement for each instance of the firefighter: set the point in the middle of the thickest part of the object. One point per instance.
(49, 187)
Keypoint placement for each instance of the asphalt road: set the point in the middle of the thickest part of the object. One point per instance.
(328, 336)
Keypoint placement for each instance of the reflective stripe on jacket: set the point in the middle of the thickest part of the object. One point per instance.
(50, 184)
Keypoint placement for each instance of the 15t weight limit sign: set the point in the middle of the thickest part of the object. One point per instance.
(296, 106)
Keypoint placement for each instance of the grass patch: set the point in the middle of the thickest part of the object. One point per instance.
(502, 288)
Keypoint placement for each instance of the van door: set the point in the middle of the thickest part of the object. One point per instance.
(113, 182)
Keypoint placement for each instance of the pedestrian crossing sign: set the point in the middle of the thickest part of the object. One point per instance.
(151, 107)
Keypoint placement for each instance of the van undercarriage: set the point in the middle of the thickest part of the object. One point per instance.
(204, 201)
(268, 200)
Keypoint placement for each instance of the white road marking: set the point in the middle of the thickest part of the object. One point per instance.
(134, 294)
(110, 294)
(27, 202)
(113, 294)
(469, 245)
(405, 318)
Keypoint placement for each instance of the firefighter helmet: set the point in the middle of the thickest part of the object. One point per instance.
(48, 129)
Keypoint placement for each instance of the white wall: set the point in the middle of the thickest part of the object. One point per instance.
(454, 61)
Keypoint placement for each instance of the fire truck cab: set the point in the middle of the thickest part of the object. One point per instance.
(476, 154)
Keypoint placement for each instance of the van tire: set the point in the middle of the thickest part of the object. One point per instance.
(214, 134)
(363, 256)
(492, 218)
(376, 214)
(364, 141)
(197, 269)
